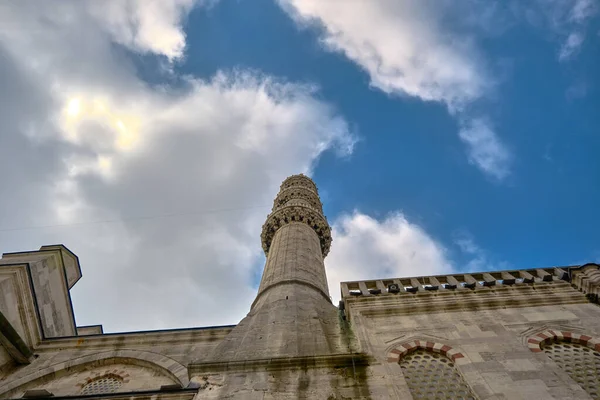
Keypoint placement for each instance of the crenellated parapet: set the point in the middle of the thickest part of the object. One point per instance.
(463, 283)
(534, 287)
(297, 201)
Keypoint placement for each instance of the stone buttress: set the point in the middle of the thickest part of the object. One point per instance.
(292, 315)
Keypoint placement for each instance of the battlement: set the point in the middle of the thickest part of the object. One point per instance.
(476, 281)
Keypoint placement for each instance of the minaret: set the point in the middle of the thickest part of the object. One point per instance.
(292, 315)
(295, 238)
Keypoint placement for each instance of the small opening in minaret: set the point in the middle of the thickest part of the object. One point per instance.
(286, 297)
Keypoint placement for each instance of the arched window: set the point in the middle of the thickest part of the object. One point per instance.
(432, 375)
(109, 383)
(580, 362)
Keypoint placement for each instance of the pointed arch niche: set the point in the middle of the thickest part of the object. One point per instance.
(430, 371)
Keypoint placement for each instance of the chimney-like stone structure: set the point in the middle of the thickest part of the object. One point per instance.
(292, 315)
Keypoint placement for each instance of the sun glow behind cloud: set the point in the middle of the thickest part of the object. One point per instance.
(124, 127)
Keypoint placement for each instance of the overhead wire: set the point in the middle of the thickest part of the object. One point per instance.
(115, 220)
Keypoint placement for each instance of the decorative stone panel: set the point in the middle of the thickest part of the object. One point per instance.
(108, 383)
(299, 192)
(430, 376)
(429, 369)
(297, 201)
(296, 213)
(576, 354)
(581, 363)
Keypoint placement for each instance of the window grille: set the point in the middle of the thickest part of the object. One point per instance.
(432, 376)
(103, 384)
(580, 362)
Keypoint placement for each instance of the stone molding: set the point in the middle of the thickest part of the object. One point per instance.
(407, 347)
(283, 363)
(170, 367)
(297, 192)
(106, 340)
(587, 279)
(535, 342)
(384, 306)
(296, 213)
(299, 180)
(289, 282)
(465, 283)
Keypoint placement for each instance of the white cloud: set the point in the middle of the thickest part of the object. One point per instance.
(84, 140)
(570, 46)
(401, 45)
(484, 148)
(567, 20)
(583, 10)
(479, 259)
(364, 248)
(408, 48)
(152, 26)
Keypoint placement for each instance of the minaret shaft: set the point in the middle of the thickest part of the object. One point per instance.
(294, 257)
(292, 315)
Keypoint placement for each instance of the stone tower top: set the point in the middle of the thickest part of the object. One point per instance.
(297, 201)
(299, 180)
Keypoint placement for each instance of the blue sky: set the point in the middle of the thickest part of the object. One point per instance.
(409, 157)
(443, 136)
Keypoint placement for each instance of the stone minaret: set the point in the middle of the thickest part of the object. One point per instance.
(292, 315)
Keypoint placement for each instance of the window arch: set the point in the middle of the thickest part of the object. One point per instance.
(578, 355)
(581, 363)
(430, 370)
(432, 376)
(108, 383)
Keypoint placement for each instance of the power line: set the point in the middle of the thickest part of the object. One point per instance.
(151, 217)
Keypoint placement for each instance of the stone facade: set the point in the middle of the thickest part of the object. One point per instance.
(525, 334)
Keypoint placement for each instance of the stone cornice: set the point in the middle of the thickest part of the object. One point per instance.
(178, 394)
(474, 291)
(301, 213)
(284, 363)
(516, 296)
(133, 339)
(587, 279)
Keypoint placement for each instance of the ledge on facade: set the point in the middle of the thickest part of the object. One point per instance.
(283, 363)
(455, 282)
(169, 394)
(90, 330)
(209, 333)
(13, 343)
